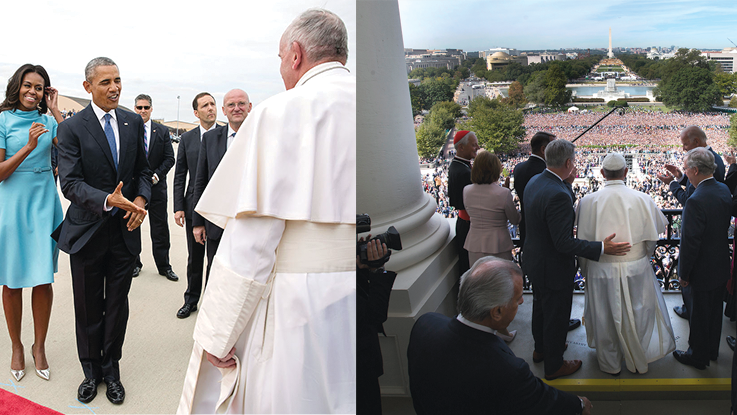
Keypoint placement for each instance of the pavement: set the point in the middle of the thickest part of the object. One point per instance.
(157, 344)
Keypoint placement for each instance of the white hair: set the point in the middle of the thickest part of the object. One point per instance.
(320, 33)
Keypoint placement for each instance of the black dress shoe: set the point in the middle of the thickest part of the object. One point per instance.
(681, 311)
(87, 390)
(136, 271)
(730, 342)
(115, 392)
(687, 359)
(573, 324)
(186, 310)
(170, 275)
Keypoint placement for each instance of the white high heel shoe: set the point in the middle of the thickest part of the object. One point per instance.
(42, 373)
(18, 374)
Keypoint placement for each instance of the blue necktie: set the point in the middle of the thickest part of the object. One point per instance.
(145, 141)
(111, 139)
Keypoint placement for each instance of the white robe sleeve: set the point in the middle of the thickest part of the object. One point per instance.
(238, 280)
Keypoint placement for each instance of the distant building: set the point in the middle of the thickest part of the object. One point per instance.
(508, 51)
(433, 58)
(545, 57)
(726, 58)
(499, 60)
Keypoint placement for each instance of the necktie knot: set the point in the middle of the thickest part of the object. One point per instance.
(107, 117)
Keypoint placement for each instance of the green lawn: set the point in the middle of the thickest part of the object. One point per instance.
(609, 69)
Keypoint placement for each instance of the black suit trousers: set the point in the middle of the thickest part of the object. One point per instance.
(551, 310)
(101, 278)
(158, 219)
(705, 324)
(195, 264)
(462, 228)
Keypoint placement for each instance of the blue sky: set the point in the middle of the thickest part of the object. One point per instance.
(474, 25)
(163, 48)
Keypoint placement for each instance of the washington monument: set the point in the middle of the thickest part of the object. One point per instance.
(610, 54)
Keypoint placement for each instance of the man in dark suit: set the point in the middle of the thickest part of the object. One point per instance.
(691, 137)
(526, 170)
(459, 176)
(459, 366)
(703, 263)
(550, 251)
(102, 165)
(236, 107)
(189, 150)
(160, 156)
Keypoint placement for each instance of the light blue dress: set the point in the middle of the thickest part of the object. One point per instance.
(30, 209)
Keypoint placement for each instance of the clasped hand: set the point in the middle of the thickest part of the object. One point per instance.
(226, 362)
(135, 212)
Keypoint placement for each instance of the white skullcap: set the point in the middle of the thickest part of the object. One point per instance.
(614, 162)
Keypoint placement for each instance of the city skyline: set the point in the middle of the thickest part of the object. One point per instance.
(474, 25)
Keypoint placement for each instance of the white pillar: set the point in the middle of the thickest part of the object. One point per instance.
(389, 188)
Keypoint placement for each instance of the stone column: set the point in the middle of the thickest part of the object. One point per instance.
(389, 187)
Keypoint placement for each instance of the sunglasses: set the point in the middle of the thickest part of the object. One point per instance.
(143, 107)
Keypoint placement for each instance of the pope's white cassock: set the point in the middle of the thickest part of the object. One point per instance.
(625, 313)
(282, 285)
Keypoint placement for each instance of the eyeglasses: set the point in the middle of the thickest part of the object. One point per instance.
(143, 107)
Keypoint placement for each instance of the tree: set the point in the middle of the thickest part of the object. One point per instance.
(691, 88)
(516, 95)
(726, 82)
(443, 114)
(732, 140)
(535, 89)
(556, 93)
(436, 91)
(417, 96)
(429, 140)
(498, 127)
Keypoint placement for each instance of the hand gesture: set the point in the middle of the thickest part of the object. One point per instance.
(665, 178)
(135, 219)
(200, 236)
(673, 170)
(730, 158)
(37, 130)
(179, 218)
(226, 362)
(116, 199)
(52, 98)
(615, 248)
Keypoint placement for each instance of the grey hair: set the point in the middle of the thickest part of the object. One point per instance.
(484, 289)
(320, 33)
(558, 151)
(146, 97)
(613, 174)
(89, 70)
(701, 159)
(463, 141)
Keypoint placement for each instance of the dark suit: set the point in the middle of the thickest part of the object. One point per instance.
(550, 264)
(102, 251)
(160, 160)
(704, 263)
(682, 196)
(212, 150)
(457, 369)
(187, 154)
(372, 304)
(459, 176)
(523, 172)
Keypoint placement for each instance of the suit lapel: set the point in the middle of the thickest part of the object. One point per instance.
(92, 124)
(125, 132)
(223, 141)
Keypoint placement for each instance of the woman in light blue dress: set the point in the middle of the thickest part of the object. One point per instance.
(29, 208)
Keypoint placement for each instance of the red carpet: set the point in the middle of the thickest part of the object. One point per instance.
(11, 404)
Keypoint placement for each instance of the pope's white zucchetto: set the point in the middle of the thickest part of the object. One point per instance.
(614, 162)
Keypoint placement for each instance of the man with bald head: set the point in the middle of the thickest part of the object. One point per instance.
(691, 137)
(460, 365)
(236, 107)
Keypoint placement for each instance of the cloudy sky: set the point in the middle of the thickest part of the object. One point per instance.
(164, 48)
(474, 25)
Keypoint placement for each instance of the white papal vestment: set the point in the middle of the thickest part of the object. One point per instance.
(625, 312)
(282, 285)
